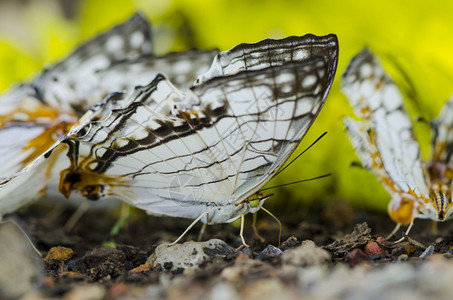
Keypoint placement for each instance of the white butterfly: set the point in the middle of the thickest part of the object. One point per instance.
(385, 143)
(204, 153)
(35, 115)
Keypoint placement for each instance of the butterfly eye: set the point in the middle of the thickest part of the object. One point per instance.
(254, 203)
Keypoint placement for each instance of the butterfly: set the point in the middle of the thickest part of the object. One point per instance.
(35, 115)
(203, 153)
(385, 142)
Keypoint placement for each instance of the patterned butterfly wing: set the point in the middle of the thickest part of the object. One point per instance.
(32, 123)
(73, 83)
(269, 53)
(385, 140)
(35, 115)
(181, 68)
(207, 150)
(442, 143)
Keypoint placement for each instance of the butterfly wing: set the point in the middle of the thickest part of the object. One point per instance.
(45, 124)
(207, 150)
(269, 52)
(181, 68)
(442, 144)
(73, 83)
(35, 115)
(385, 140)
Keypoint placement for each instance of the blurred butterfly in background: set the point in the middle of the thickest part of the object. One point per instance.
(35, 115)
(386, 144)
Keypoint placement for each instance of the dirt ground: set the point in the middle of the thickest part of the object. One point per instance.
(87, 262)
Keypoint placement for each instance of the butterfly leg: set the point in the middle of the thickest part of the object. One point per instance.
(406, 233)
(75, 217)
(397, 227)
(241, 232)
(202, 231)
(409, 228)
(189, 227)
(255, 230)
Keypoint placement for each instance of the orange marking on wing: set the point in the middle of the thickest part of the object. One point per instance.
(380, 84)
(42, 142)
(90, 184)
(55, 125)
(34, 113)
(403, 212)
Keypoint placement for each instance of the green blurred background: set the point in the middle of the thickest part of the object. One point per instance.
(411, 36)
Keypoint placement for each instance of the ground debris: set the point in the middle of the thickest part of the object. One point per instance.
(101, 263)
(360, 267)
(245, 269)
(358, 238)
(306, 254)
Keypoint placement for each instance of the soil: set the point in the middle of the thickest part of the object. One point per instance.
(89, 255)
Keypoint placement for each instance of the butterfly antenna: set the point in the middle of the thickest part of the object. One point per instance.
(299, 181)
(306, 149)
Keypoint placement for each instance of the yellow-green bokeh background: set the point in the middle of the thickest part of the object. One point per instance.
(415, 34)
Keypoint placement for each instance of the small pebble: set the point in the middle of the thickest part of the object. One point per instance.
(58, 254)
(269, 252)
(306, 254)
(372, 248)
(188, 254)
(428, 252)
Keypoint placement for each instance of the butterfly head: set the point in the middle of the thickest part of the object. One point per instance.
(254, 202)
(439, 206)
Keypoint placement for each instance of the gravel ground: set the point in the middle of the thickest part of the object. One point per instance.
(331, 253)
